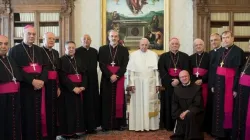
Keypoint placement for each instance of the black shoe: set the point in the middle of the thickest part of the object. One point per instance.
(91, 132)
(104, 130)
(121, 129)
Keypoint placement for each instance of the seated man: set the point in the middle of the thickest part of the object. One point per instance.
(187, 110)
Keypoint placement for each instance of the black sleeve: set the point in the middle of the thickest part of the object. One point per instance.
(25, 76)
(45, 66)
(176, 111)
(63, 79)
(124, 63)
(240, 61)
(165, 78)
(102, 65)
(197, 103)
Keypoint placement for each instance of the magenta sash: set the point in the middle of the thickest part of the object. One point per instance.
(30, 69)
(74, 78)
(52, 75)
(202, 72)
(10, 87)
(245, 80)
(174, 73)
(119, 92)
(229, 74)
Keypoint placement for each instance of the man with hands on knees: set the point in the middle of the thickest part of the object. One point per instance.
(187, 110)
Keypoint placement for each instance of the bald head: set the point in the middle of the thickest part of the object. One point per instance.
(3, 45)
(199, 45)
(29, 35)
(49, 40)
(184, 77)
(86, 41)
(144, 44)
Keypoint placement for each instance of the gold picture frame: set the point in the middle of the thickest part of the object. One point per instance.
(165, 31)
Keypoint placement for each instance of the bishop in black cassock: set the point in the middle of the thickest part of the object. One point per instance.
(52, 90)
(73, 82)
(10, 119)
(113, 60)
(229, 60)
(29, 58)
(169, 66)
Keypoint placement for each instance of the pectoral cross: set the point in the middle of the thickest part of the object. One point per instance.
(242, 73)
(175, 69)
(77, 75)
(197, 74)
(34, 66)
(221, 64)
(14, 79)
(113, 63)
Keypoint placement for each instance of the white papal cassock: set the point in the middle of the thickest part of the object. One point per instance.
(144, 103)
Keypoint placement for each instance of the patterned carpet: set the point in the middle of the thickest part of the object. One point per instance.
(131, 135)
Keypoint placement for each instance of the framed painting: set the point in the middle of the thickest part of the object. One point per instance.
(136, 19)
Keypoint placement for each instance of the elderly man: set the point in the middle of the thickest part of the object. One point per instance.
(52, 90)
(229, 60)
(144, 82)
(113, 60)
(10, 119)
(91, 103)
(199, 62)
(35, 73)
(169, 65)
(187, 110)
(73, 83)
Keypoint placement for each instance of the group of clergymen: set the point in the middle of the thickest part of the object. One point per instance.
(43, 96)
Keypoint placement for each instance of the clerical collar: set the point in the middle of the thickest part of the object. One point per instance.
(71, 57)
(200, 53)
(174, 53)
(48, 49)
(3, 56)
(185, 85)
(217, 48)
(228, 48)
(26, 45)
(87, 48)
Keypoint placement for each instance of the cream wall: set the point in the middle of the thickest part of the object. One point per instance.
(87, 18)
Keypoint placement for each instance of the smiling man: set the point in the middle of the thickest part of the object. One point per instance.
(10, 119)
(169, 65)
(187, 110)
(113, 60)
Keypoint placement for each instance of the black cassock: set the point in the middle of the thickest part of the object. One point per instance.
(211, 72)
(200, 71)
(120, 56)
(225, 82)
(10, 119)
(241, 126)
(188, 98)
(32, 101)
(91, 97)
(51, 57)
(70, 105)
(166, 62)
